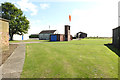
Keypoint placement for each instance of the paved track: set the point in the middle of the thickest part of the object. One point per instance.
(13, 66)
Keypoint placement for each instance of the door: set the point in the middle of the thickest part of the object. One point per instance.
(53, 37)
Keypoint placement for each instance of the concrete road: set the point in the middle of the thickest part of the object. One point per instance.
(13, 66)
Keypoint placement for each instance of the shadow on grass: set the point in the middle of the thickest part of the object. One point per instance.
(114, 49)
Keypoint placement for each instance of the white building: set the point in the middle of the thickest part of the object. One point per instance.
(45, 34)
(19, 37)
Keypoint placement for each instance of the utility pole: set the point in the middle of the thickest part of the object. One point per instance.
(49, 27)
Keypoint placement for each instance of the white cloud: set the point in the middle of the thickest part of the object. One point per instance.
(27, 6)
(35, 22)
(44, 6)
(71, 0)
(96, 22)
(62, 0)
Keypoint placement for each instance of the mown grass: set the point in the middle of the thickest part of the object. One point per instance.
(87, 58)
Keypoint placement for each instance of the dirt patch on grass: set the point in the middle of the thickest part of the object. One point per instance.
(6, 54)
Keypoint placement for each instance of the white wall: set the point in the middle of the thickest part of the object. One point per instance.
(19, 37)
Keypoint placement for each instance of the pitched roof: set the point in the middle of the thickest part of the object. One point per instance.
(34, 34)
(82, 32)
(47, 31)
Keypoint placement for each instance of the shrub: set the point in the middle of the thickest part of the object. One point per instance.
(34, 36)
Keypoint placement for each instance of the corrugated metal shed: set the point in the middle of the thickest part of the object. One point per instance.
(45, 34)
(81, 35)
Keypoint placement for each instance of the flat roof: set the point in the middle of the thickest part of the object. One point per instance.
(4, 19)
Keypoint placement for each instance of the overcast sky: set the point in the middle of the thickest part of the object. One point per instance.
(94, 17)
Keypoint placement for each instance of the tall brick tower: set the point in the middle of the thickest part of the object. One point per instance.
(67, 33)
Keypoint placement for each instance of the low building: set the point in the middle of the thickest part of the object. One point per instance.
(45, 34)
(81, 35)
(57, 37)
(116, 37)
(62, 37)
(4, 34)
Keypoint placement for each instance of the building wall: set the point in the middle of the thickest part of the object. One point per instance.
(4, 34)
(83, 35)
(19, 37)
(62, 37)
(59, 37)
(116, 37)
(44, 36)
(67, 33)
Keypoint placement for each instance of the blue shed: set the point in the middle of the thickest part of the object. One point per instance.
(53, 38)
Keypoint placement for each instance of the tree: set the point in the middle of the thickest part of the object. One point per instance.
(18, 22)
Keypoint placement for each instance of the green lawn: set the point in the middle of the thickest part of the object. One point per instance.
(87, 58)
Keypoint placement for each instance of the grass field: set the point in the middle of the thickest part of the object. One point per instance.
(87, 58)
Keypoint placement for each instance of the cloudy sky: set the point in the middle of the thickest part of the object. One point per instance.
(94, 17)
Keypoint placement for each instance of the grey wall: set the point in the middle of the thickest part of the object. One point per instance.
(116, 37)
(44, 36)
